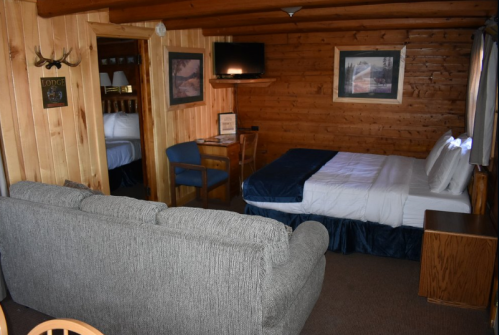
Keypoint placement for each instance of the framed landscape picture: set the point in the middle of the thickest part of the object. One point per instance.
(185, 77)
(369, 74)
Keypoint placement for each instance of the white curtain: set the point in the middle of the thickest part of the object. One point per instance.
(3, 182)
(484, 116)
(474, 79)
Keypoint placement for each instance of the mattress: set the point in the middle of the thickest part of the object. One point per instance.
(420, 198)
(122, 151)
(390, 190)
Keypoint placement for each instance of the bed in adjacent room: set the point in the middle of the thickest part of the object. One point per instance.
(123, 144)
(369, 203)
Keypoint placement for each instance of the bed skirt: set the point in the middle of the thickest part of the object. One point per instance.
(348, 236)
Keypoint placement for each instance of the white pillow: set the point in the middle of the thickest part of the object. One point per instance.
(462, 175)
(444, 167)
(437, 148)
(109, 121)
(127, 126)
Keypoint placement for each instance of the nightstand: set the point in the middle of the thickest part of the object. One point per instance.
(457, 259)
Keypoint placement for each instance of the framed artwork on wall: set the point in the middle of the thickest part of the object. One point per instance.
(227, 123)
(185, 76)
(369, 74)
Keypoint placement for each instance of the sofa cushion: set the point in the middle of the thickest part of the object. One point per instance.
(271, 233)
(123, 208)
(48, 194)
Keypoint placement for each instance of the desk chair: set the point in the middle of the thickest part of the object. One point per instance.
(186, 169)
(67, 325)
(248, 153)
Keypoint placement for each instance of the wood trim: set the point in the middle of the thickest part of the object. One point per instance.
(119, 31)
(478, 191)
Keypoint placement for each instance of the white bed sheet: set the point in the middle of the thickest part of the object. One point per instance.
(421, 198)
(358, 186)
(122, 151)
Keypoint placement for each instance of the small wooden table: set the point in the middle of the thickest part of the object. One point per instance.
(226, 149)
(457, 259)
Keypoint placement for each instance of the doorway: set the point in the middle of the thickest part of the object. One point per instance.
(121, 98)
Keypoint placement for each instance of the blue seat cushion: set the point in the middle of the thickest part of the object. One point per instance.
(194, 178)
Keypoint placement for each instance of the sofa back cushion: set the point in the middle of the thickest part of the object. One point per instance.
(271, 233)
(123, 208)
(48, 194)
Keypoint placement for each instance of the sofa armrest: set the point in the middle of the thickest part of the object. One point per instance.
(307, 246)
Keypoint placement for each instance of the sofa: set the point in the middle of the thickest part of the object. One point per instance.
(130, 266)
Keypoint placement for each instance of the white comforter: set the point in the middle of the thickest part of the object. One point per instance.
(356, 186)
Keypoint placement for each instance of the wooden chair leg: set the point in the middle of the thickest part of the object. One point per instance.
(173, 186)
(204, 191)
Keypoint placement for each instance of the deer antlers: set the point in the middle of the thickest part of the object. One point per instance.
(54, 62)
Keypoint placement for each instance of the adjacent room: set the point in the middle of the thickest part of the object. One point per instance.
(249, 167)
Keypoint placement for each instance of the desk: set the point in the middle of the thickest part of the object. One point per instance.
(226, 149)
(457, 259)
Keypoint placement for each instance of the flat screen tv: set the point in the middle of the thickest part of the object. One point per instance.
(239, 60)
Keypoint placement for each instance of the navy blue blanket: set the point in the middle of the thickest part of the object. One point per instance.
(283, 179)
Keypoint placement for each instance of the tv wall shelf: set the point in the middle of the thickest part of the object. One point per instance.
(226, 83)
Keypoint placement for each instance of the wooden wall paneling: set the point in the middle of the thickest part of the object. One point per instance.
(297, 110)
(9, 131)
(21, 84)
(47, 33)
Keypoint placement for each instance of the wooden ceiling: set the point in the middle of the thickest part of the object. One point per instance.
(253, 17)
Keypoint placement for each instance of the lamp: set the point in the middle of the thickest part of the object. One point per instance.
(291, 10)
(119, 84)
(104, 79)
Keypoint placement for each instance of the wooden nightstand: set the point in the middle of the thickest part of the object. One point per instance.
(457, 259)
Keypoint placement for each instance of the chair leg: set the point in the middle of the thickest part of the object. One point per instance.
(204, 191)
(173, 186)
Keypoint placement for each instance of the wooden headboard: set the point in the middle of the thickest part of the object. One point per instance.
(477, 190)
(120, 103)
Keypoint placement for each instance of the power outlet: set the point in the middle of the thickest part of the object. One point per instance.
(255, 128)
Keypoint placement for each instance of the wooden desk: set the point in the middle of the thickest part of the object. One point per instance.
(230, 150)
(457, 259)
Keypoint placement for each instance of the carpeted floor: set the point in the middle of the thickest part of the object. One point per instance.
(361, 294)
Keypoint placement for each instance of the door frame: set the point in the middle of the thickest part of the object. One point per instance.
(144, 36)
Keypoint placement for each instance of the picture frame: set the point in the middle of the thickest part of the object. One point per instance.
(185, 77)
(130, 59)
(112, 61)
(121, 60)
(103, 61)
(369, 74)
(227, 123)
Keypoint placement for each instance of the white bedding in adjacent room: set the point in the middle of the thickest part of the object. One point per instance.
(391, 190)
(122, 151)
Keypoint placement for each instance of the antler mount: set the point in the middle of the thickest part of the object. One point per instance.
(54, 62)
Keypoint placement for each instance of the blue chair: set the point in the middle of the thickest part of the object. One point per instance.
(186, 169)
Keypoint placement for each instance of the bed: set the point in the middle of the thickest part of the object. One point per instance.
(123, 144)
(369, 203)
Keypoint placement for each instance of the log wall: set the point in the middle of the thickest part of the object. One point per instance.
(297, 110)
(51, 145)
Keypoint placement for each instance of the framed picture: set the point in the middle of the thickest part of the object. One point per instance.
(227, 123)
(121, 60)
(185, 77)
(103, 61)
(130, 59)
(369, 74)
(112, 61)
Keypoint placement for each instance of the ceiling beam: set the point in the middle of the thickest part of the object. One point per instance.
(51, 8)
(197, 8)
(434, 9)
(351, 25)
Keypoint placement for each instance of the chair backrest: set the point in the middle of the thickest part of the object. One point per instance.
(66, 325)
(3, 323)
(248, 147)
(187, 152)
